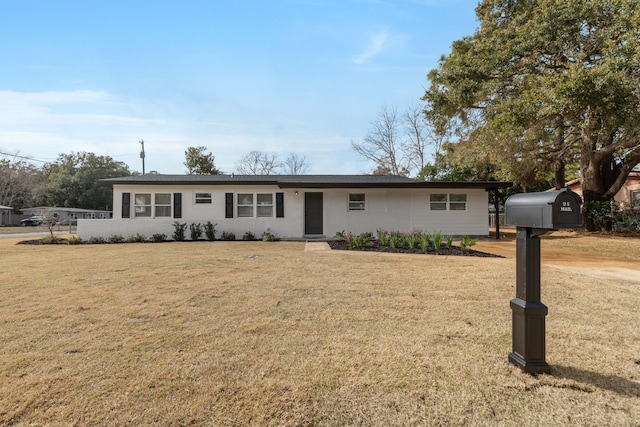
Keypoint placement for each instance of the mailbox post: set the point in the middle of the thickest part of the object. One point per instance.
(534, 214)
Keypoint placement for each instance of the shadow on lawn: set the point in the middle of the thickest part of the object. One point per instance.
(613, 383)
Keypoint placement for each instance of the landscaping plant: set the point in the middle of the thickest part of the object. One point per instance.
(178, 231)
(437, 241)
(195, 230)
(210, 230)
(425, 240)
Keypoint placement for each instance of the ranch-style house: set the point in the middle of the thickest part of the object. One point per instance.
(293, 206)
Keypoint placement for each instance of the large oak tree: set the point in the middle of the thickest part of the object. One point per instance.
(544, 83)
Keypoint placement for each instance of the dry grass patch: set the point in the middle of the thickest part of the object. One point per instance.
(203, 334)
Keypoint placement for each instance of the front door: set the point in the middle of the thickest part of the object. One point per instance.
(313, 213)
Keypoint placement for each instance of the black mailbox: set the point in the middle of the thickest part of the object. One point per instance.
(534, 214)
(549, 210)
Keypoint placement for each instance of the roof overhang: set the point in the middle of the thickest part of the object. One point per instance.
(302, 181)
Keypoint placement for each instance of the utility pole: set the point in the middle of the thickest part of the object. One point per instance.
(142, 154)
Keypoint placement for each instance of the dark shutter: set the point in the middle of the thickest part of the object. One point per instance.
(279, 205)
(177, 205)
(228, 207)
(126, 205)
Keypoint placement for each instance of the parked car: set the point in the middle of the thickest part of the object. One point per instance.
(36, 220)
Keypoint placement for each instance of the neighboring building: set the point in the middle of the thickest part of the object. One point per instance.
(293, 206)
(5, 215)
(628, 194)
(67, 215)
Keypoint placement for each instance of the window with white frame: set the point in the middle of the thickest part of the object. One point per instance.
(458, 202)
(356, 201)
(264, 205)
(245, 205)
(451, 202)
(635, 197)
(438, 202)
(163, 204)
(142, 205)
(203, 198)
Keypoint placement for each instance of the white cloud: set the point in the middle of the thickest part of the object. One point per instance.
(377, 44)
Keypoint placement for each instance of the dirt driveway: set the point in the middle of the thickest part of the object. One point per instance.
(623, 266)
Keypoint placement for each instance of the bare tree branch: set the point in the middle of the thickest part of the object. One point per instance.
(296, 165)
(258, 163)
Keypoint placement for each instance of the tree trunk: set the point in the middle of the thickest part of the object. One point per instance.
(590, 179)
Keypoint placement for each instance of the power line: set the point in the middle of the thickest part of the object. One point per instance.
(24, 157)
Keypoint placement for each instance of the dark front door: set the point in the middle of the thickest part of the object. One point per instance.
(313, 213)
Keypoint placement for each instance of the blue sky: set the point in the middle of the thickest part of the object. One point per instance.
(280, 76)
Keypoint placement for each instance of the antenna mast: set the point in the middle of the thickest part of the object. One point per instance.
(142, 154)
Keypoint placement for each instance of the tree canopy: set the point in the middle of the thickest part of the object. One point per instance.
(545, 84)
(73, 180)
(198, 162)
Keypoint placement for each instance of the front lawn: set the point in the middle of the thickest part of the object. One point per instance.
(257, 333)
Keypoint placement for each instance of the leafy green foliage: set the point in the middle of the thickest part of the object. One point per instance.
(542, 87)
(195, 230)
(179, 229)
(115, 238)
(248, 236)
(269, 237)
(73, 181)
(158, 237)
(210, 230)
(227, 235)
(198, 162)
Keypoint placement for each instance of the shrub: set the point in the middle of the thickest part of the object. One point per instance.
(210, 230)
(342, 235)
(360, 241)
(449, 240)
(627, 218)
(466, 242)
(394, 239)
(383, 236)
(437, 241)
(248, 236)
(97, 240)
(116, 238)
(412, 239)
(50, 240)
(137, 238)
(74, 240)
(227, 236)
(195, 230)
(178, 231)
(425, 240)
(269, 237)
(158, 237)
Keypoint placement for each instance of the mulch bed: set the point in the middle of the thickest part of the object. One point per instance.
(454, 250)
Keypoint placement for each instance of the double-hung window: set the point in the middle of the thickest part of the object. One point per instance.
(450, 202)
(245, 205)
(356, 201)
(163, 204)
(457, 202)
(142, 205)
(438, 202)
(265, 205)
(255, 205)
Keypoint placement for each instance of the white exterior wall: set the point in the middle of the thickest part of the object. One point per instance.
(391, 209)
(292, 225)
(406, 210)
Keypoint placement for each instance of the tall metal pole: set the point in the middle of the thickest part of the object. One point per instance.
(142, 155)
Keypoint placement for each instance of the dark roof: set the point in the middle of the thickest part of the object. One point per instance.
(301, 181)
